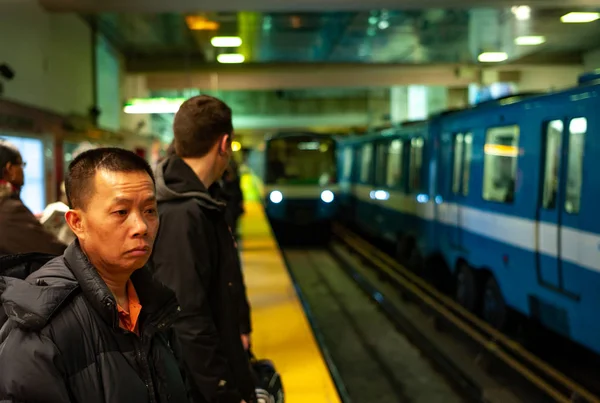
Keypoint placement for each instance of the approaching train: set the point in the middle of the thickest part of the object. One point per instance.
(298, 171)
(499, 194)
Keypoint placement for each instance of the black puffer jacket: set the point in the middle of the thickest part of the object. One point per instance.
(195, 256)
(62, 342)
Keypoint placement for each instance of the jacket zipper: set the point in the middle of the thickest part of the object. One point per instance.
(147, 373)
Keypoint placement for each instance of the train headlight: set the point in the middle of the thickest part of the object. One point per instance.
(276, 196)
(327, 196)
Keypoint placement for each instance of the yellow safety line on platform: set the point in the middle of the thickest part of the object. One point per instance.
(281, 330)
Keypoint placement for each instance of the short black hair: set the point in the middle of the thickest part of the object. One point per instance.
(82, 171)
(198, 125)
(8, 154)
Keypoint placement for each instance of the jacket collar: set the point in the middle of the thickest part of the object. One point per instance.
(7, 189)
(155, 299)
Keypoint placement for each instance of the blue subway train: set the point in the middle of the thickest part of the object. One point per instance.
(498, 196)
(298, 177)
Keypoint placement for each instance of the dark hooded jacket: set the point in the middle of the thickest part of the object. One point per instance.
(62, 342)
(20, 231)
(196, 257)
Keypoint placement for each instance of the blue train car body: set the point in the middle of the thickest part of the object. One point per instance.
(505, 197)
(298, 171)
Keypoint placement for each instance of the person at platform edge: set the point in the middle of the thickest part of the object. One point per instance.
(196, 257)
(87, 326)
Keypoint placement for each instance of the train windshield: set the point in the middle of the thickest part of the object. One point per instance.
(301, 161)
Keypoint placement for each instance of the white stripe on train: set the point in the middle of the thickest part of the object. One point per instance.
(577, 247)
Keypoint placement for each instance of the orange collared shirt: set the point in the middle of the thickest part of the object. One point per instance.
(128, 320)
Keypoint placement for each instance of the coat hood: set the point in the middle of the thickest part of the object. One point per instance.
(31, 302)
(175, 180)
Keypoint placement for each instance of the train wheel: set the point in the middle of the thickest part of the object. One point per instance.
(466, 287)
(494, 307)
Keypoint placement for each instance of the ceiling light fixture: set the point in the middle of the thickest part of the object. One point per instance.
(229, 58)
(383, 24)
(226, 41)
(530, 40)
(579, 18)
(153, 105)
(199, 23)
(492, 57)
(521, 13)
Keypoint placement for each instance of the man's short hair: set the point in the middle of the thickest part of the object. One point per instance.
(79, 184)
(9, 153)
(198, 125)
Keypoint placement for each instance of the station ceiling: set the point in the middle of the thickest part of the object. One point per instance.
(432, 36)
(175, 35)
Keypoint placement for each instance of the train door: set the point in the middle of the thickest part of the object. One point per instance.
(558, 207)
(458, 185)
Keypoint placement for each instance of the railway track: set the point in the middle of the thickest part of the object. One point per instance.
(487, 364)
(375, 361)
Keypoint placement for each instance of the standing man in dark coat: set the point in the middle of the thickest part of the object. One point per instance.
(20, 231)
(88, 326)
(195, 255)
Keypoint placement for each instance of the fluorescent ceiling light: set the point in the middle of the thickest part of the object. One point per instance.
(492, 57)
(226, 41)
(529, 40)
(576, 17)
(231, 58)
(153, 105)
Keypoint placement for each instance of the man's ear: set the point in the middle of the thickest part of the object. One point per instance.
(76, 222)
(225, 144)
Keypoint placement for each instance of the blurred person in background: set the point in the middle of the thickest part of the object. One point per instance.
(234, 196)
(20, 230)
(53, 217)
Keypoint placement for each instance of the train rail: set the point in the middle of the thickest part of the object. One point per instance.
(536, 375)
(375, 361)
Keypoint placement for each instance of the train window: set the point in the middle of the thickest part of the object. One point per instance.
(468, 140)
(458, 154)
(462, 163)
(577, 131)
(366, 157)
(380, 172)
(415, 164)
(347, 162)
(394, 164)
(554, 131)
(500, 163)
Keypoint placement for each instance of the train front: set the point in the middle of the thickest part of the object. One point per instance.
(301, 180)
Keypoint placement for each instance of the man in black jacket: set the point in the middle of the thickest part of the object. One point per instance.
(195, 255)
(88, 325)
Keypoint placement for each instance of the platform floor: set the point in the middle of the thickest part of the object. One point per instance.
(282, 332)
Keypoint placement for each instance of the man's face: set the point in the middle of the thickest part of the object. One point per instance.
(119, 224)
